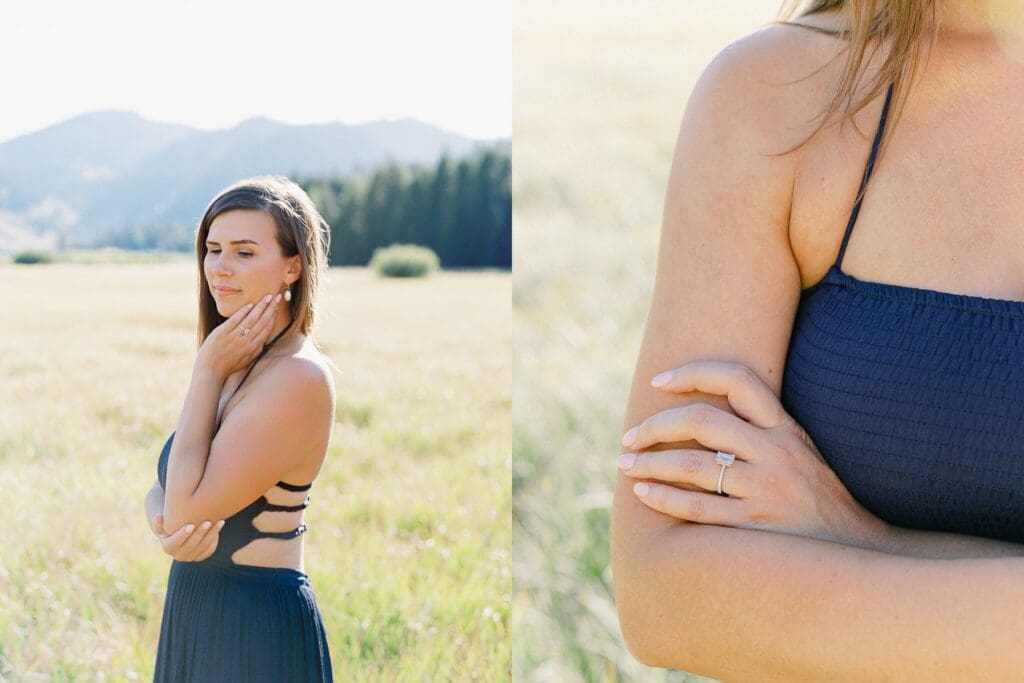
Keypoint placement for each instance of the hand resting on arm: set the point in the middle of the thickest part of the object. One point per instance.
(739, 603)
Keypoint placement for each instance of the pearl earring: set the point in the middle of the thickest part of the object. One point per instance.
(288, 294)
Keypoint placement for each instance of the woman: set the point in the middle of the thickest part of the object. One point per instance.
(897, 348)
(233, 478)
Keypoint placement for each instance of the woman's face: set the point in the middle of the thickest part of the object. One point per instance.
(243, 257)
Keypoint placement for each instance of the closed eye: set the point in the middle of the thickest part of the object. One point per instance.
(241, 253)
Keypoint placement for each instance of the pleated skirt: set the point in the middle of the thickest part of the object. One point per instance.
(229, 623)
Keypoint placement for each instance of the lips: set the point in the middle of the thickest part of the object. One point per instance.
(226, 291)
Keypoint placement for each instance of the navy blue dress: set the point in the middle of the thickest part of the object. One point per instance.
(915, 397)
(229, 622)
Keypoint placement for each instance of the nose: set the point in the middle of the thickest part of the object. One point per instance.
(218, 266)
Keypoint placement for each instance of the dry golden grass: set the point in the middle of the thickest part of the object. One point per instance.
(408, 547)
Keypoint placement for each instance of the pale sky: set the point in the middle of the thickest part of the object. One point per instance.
(211, 64)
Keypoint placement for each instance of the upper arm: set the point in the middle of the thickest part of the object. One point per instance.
(727, 285)
(264, 438)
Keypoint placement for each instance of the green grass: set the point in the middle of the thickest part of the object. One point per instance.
(409, 526)
(599, 95)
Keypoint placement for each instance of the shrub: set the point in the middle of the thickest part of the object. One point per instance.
(404, 260)
(34, 256)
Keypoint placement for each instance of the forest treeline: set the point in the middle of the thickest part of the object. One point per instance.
(461, 208)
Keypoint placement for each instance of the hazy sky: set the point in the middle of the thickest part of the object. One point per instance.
(214, 63)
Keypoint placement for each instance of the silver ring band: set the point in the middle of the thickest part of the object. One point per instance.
(725, 460)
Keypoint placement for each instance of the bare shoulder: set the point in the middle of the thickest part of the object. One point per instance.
(305, 379)
(298, 390)
(774, 82)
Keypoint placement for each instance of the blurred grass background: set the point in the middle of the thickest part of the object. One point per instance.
(408, 547)
(598, 94)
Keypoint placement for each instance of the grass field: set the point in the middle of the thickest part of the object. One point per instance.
(409, 525)
(598, 94)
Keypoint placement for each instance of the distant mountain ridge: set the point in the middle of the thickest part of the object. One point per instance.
(102, 171)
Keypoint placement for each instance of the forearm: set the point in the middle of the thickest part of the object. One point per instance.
(742, 604)
(191, 447)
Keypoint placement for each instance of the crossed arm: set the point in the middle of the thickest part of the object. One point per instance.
(743, 604)
(259, 442)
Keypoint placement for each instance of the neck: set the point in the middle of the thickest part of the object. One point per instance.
(281, 321)
(982, 20)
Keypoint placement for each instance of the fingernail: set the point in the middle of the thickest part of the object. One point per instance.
(277, 298)
(189, 528)
(206, 525)
(220, 523)
(267, 298)
(626, 460)
(662, 379)
(630, 437)
(641, 488)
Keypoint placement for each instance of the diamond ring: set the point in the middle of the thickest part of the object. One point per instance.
(725, 460)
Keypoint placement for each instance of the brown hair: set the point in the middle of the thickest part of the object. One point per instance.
(900, 24)
(301, 230)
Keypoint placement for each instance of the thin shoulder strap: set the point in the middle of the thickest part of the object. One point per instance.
(266, 347)
(864, 180)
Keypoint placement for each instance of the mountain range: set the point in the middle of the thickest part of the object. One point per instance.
(96, 173)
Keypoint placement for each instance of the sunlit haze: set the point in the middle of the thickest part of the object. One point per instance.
(214, 64)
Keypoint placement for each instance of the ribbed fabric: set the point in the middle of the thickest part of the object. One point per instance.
(231, 623)
(915, 397)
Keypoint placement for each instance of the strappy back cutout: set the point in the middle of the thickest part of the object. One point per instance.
(267, 506)
(241, 530)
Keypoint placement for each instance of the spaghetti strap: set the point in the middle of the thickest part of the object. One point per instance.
(864, 179)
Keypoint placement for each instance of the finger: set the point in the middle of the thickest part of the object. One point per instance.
(253, 314)
(209, 543)
(265, 325)
(173, 542)
(193, 541)
(689, 466)
(704, 508)
(712, 427)
(158, 524)
(259, 310)
(236, 318)
(749, 395)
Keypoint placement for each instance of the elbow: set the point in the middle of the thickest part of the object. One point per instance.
(634, 636)
(653, 634)
(640, 634)
(176, 516)
(629, 604)
(181, 509)
(172, 521)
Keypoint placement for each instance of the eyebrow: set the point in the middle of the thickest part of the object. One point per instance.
(235, 242)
